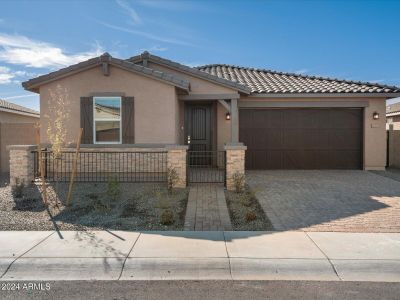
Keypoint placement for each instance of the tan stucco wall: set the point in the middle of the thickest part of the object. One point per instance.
(395, 122)
(374, 130)
(394, 148)
(155, 102)
(14, 134)
(197, 85)
(6, 117)
(223, 127)
(375, 136)
(15, 129)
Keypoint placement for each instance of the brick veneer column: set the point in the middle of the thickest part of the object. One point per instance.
(177, 160)
(235, 154)
(21, 163)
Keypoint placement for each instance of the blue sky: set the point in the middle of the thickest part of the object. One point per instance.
(357, 40)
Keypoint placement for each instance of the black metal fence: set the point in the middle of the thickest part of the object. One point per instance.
(206, 166)
(101, 166)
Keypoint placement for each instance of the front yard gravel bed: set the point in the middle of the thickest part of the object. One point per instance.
(246, 212)
(133, 206)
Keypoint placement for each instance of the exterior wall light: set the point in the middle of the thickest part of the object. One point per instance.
(375, 116)
(228, 116)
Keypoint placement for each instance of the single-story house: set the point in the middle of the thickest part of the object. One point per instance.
(393, 116)
(16, 128)
(286, 120)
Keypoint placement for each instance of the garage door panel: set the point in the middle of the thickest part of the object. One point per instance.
(345, 119)
(346, 159)
(302, 138)
(346, 139)
(300, 159)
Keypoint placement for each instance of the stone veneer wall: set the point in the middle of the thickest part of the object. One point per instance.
(21, 164)
(103, 162)
(177, 161)
(235, 155)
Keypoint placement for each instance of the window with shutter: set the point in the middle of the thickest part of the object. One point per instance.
(107, 120)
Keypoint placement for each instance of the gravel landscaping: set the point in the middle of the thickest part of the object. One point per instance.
(245, 211)
(113, 205)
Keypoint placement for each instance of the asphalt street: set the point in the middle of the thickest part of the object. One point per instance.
(202, 290)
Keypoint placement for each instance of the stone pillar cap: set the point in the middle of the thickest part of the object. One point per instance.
(21, 147)
(177, 147)
(235, 146)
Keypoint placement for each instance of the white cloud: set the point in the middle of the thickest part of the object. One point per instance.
(172, 5)
(130, 11)
(20, 50)
(5, 75)
(8, 76)
(20, 96)
(155, 49)
(146, 34)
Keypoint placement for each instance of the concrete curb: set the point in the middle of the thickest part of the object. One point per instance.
(65, 269)
(212, 255)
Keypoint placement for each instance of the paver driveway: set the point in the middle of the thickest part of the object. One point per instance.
(353, 201)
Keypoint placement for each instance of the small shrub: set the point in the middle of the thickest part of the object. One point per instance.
(238, 182)
(128, 209)
(113, 189)
(101, 207)
(163, 203)
(93, 196)
(245, 199)
(250, 216)
(167, 217)
(18, 188)
(172, 178)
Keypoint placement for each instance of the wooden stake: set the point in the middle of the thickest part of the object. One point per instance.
(74, 166)
(41, 166)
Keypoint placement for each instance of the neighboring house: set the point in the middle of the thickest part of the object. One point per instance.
(393, 116)
(16, 128)
(287, 121)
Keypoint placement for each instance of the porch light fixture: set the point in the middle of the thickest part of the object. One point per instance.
(228, 116)
(375, 116)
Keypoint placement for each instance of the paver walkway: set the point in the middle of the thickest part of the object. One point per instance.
(206, 209)
(346, 201)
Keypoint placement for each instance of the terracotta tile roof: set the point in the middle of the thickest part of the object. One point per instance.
(17, 108)
(273, 82)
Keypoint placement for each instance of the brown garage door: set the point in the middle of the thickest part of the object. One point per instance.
(302, 138)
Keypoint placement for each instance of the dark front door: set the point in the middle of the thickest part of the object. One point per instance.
(198, 127)
(302, 138)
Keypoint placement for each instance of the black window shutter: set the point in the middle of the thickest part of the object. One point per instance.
(87, 119)
(128, 120)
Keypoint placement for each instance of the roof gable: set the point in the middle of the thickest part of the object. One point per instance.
(263, 81)
(33, 84)
(146, 56)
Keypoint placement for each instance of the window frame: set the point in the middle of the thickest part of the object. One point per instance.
(107, 120)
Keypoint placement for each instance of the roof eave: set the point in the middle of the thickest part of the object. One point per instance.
(18, 112)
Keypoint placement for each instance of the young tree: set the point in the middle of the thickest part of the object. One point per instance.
(57, 118)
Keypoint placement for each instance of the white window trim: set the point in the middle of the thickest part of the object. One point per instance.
(113, 120)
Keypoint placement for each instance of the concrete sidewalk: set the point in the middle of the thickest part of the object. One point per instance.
(219, 255)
